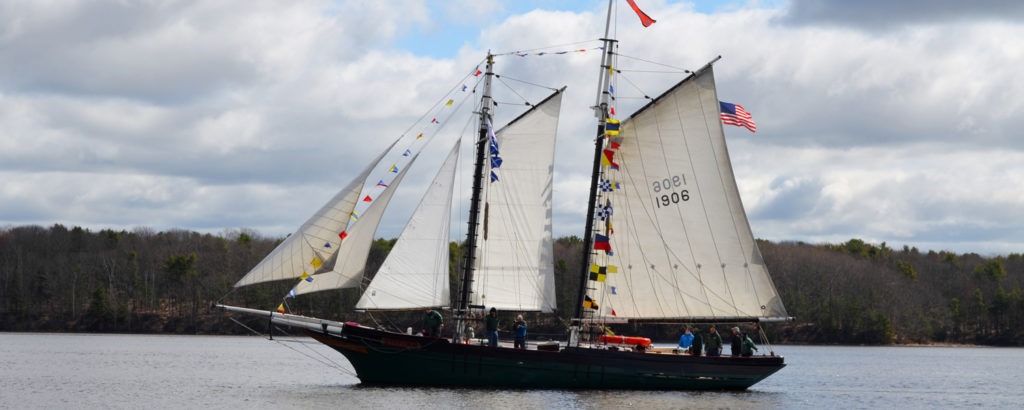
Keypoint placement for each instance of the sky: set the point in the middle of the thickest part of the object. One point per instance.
(893, 122)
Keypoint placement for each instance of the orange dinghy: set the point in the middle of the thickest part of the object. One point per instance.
(624, 340)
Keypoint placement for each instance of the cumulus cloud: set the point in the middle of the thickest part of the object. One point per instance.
(883, 14)
(872, 123)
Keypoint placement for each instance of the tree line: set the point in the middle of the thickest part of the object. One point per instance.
(61, 279)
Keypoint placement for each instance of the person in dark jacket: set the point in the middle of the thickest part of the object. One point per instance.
(519, 333)
(736, 342)
(714, 343)
(698, 343)
(492, 328)
(432, 323)
(748, 346)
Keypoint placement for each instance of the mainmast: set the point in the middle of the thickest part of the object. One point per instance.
(601, 112)
(474, 206)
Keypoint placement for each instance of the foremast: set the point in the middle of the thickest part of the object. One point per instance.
(469, 261)
(601, 113)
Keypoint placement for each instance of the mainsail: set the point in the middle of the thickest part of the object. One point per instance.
(514, 263)
(415, 273)
(316, 240)
(679, 243)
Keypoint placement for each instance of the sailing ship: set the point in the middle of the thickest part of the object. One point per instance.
(666, 241)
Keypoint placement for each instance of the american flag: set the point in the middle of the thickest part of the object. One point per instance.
(734, 114)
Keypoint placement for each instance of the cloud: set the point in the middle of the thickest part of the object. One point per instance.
(883, 14)
(915, 194)
(251, 114)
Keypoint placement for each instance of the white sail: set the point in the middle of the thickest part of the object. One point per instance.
(316, 240)
(514, 262)
(350, 261)
(415, 273)
(680, 239)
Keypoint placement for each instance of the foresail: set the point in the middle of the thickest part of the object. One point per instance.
(350, 260)
(679, 243)
(415, 273)
(514, 263)
(305, 250)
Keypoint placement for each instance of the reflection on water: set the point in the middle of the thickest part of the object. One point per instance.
(143, 371)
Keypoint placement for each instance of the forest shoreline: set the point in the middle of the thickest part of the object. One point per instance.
(853, 293)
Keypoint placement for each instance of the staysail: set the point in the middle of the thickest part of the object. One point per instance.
(514, 262)
(350, 260)
(415, 273)
(316, 240)
(674, 237)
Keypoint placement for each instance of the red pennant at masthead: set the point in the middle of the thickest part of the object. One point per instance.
(644, 18)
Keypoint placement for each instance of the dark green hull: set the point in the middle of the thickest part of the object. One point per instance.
(392, 358)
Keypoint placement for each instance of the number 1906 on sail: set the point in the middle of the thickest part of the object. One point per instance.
(666, 190)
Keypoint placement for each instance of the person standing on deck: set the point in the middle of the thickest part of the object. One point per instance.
(519, 328)
(748, 346)
(714, 346)
(432, 323)
(736, 342)
(698, 343)
(686, 339)
(492, 328)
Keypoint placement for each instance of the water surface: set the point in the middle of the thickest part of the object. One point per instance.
(157, 371)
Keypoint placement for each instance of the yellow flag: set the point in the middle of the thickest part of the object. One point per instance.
(419, 136)
(280, 308)
(449, 103)
(304, 276)
(316, 262)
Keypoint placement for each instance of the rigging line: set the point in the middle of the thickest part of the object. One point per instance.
(654, 62)
(440, 128)
(387, 319)
(496, 102)
(527, 82)
(329, 363)
(521, 261)
(647, 71)
(431, 109)
(546, 47)
(460, 226)
(652, 272)
(336, 365)
(682, 219)
(423, 291)
(697, 276)
(721, 180)
(736, 227)
(646, 96)
(325, 363)
(767, 343)
(233, 290)
(679, 212)
(514, 91)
